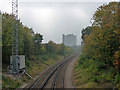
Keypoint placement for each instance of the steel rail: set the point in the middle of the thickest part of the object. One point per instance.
(45, 77)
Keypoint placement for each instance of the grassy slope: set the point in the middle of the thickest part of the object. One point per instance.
(90, 73)
(8, 82)
(34, 67)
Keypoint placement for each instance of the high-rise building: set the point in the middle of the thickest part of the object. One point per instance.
(69, 40)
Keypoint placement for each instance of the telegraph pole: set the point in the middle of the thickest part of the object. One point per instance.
(15, 36)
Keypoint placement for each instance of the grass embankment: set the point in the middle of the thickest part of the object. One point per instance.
(33, 67)
(89, 73)
(9, 82)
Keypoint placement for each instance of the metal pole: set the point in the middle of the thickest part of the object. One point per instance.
(15, 36)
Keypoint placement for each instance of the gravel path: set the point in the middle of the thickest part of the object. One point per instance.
(69, 74)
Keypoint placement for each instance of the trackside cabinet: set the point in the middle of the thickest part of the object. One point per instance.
(17, 66)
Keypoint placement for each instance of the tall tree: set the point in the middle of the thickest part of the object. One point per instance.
(37, 43)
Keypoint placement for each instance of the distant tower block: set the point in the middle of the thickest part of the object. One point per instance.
(69, 40)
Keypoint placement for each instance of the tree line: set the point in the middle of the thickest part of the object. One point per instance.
(101, 44)
(29, 42)
(101, 41)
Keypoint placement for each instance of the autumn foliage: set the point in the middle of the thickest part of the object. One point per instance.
(103, 42)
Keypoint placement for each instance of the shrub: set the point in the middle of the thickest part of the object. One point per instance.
(117, 78)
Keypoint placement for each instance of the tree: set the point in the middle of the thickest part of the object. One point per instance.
(86, 31)
(26, 39)
(37, 43)
(104, 39)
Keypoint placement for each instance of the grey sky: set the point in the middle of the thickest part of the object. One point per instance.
(52, 19)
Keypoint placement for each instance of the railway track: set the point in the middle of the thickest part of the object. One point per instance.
(59, 78)
(54, 76)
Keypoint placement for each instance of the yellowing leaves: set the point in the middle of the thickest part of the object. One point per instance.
(117, 55)
(104, 38)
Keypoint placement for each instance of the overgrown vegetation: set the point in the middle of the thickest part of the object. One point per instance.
(41, 62)
(100, 60)
(91, 73)
(33, 67)
(9, 82)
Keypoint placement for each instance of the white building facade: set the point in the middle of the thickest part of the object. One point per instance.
(69, 40)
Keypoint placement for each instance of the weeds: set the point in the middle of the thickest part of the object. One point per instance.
(94, 72)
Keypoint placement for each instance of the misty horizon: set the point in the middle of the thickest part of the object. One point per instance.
(53, 19)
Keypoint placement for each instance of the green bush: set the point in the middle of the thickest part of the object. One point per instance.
(95, 71)
(101, 66)
(117, 78)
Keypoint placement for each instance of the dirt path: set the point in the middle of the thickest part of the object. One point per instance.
(69, 74)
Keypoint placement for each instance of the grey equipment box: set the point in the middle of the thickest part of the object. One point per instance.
(21, 63)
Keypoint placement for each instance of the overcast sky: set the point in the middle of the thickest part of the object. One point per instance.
(52, 18)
